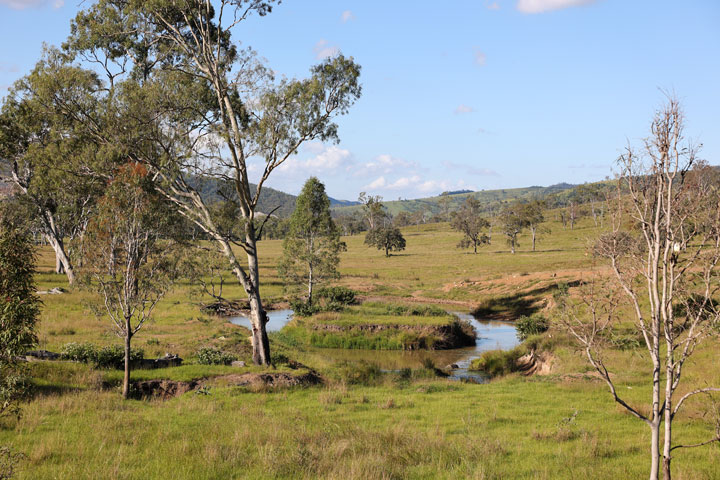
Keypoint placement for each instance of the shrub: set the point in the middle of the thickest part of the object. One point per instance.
(339, 295)
(361, 373)
(114, 357)
(497, 362)
(106, 357)
(212, 356)
(304, 309)
(79, 352)
(532, 325)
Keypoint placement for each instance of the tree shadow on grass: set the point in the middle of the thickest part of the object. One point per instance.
(510, 307)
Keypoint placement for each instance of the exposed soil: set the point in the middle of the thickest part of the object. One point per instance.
(162, 389)
(535, 363)
(273, 380)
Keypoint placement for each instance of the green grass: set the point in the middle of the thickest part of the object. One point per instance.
(430, 429)
(562, 426)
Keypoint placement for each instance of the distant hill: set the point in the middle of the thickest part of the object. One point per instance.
(487, 198)
(282, 203)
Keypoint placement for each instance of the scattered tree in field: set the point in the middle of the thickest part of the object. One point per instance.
(445, 202)
(402, 219)
(468, 221)
(193, 104)
(351, 224)
(592, 195)
(19, 309)
(663, 249)
(573, 212)
(374, 210)
(130, 257)
(513, 222)
(311, 250)
(385, 238)
(532, 213)
(562, 214)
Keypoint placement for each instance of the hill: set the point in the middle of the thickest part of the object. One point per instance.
(487, 197)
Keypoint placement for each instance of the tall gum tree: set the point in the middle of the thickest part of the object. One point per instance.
(202, 108)
(54, 167)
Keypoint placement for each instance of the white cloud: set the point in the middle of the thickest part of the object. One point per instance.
(375, 184)
(479, 57)
(414, 184)
(323, 49)
(540, 6)
(384, 164)
(329, 159)
(493, 6)
(462, 108)
(346, 16)
(23, 4)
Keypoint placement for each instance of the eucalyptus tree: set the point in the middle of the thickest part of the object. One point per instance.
(311, 249)
(53, 165)
(373, 209)
(533, 215)
(193, 105)
(130, 254)
(513, 222)
(468, 221)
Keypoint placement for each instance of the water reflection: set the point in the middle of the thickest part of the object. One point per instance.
(491, 335)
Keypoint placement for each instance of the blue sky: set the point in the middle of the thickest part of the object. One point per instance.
(475, 94)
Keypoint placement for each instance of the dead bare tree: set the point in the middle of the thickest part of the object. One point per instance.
(663, 251)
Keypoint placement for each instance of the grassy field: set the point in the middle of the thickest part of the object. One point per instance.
(362, 423)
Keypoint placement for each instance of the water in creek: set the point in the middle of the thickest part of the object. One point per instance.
(491, 335)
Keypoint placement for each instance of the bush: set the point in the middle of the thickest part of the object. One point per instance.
(497, 362)
(361, 373)
(532, 325)
(114, 357)
(106, 357)
(212, 356)
(339, 295)
(304, 309)
(79, 352)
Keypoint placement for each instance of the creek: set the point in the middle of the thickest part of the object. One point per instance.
(490, 335)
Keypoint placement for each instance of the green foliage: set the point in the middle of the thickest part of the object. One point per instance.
(212, 356)
(532, 325)
(337, 294)
(107, 357)
(496, 363)
(19, 310)
(385, 238)
(470, 223)
(311, 249)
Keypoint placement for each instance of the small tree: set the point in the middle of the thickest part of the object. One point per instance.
(311, 250)
(533, 214)
(663, 250)
(468, 221)
(387, 238)
(130, 259)
(513, 223)
(374, 210)
(19, 309)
